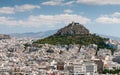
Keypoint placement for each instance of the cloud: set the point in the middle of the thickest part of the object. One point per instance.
(89, 2)
(16, 8)
(7, 21)
(99, 2)
(26, 7)
(68, 11)
(7, 10)
(57, 2)
(46, 20)
(109, 19)
(69, 3)
(116, 14)
(53, 2)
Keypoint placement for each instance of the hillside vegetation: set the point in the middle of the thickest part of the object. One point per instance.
(74, 33)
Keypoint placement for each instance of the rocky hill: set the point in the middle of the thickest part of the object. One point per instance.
(73, 29)
(3, 36)
(74, 33)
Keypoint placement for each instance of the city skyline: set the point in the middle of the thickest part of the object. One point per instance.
(99, 16)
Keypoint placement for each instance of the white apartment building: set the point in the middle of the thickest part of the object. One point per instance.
(84, 68)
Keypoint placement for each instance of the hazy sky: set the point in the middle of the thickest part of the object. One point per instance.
(99, 16)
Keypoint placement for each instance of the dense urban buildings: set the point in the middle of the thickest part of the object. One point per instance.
(21, 57)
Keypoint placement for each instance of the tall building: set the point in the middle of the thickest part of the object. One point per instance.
(84, 68)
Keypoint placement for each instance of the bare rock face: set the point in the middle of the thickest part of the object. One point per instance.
(3, 36)
(73, 29)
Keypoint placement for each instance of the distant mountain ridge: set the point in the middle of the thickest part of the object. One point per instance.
(34, 34)
(111, 37)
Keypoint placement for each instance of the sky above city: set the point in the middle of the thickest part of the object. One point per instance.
(20, 16)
